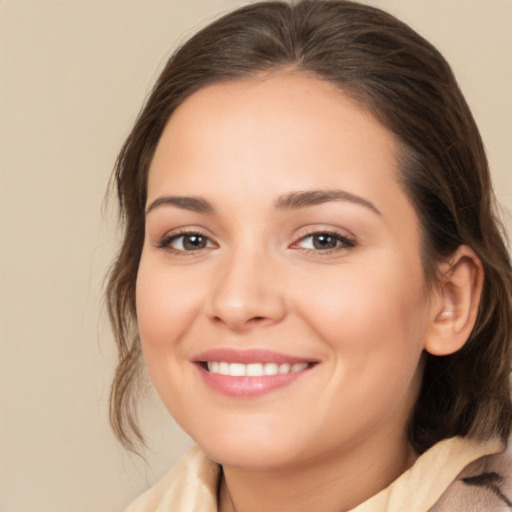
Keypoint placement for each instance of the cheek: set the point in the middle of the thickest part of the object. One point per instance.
(374, 324)
(165, 306)
(375, 314)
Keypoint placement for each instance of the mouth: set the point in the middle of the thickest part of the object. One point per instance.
(253, 369)
(250, 373)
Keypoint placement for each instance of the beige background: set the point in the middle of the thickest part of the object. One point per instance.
(73, 76)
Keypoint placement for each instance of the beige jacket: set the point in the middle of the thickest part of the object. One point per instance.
(455, 475)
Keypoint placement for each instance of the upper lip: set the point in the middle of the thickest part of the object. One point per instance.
(249, 356)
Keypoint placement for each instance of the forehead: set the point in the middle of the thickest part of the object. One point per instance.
(288, 131)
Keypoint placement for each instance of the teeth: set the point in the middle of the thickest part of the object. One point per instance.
(284, 368)
(253, 369)
(271, 369)
(223, 368)
(237, 370)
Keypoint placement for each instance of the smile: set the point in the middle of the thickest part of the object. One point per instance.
(253, 369)
(250, 373)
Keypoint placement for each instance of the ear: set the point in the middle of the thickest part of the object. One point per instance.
(455, 302)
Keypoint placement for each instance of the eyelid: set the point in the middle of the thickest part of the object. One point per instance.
(164, 242)
(348, 241)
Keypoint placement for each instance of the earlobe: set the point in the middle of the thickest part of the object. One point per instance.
(455, 303)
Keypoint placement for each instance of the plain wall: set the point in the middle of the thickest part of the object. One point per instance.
(73, 75)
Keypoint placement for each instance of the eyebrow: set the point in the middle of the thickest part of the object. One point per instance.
(296, 200)
(290, 201)
(195, 204)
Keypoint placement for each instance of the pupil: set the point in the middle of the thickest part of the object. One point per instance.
(194, 242)
(324, 242)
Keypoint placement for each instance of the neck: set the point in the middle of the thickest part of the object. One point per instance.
(336, 483)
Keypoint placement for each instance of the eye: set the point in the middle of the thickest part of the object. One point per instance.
(325, 242)
(186, 242)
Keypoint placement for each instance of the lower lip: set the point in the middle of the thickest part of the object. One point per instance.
(243, 387)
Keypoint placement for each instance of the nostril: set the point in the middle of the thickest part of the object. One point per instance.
(239, 324)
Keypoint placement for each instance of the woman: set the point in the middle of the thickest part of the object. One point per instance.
(313, 272)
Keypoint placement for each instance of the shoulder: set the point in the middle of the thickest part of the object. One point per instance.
(191, 486)
(483, 485)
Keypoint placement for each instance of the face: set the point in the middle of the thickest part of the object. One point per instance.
(281, 299)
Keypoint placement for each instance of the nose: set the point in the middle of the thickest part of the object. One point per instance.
(247, 293)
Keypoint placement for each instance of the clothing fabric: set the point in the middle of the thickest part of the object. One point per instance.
(455, 475)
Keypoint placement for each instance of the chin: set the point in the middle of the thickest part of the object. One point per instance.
(250, 452)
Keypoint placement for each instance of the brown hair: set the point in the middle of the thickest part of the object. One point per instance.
(408, 86)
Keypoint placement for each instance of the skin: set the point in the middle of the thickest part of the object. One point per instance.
(359, 310)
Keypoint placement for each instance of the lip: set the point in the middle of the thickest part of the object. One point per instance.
(244, 386)
(248, 356)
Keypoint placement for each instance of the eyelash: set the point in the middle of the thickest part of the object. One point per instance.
(166, 241)
(342, 242)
